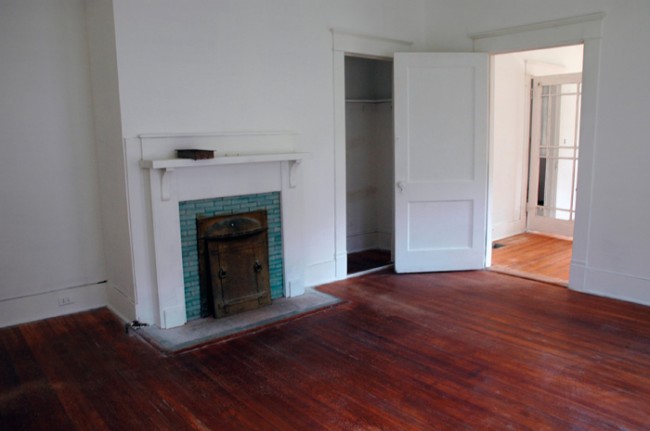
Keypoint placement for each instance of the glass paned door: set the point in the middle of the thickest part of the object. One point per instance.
(555, 134)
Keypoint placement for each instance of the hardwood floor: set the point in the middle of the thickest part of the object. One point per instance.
(367, 259)
(455, 351)
(535, 256)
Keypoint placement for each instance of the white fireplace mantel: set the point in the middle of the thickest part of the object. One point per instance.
(173, 180)
(169, 165)
(221, 160)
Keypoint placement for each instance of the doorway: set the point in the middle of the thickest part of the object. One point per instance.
(536, 111)
(369, 163)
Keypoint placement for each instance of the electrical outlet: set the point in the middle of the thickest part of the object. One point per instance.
(65, 300)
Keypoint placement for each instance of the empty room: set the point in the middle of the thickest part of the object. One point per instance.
(303, 215)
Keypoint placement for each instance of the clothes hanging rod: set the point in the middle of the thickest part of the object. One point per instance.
(368, 100)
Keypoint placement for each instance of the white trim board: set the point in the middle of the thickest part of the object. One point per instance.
(545, 34)
(344, 43)
(119, 303)
(610, 284)
(14, 311)
(587, 25)
(367, 45)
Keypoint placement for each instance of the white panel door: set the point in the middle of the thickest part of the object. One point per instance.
(441, 135)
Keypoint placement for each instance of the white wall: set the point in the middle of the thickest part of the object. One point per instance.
(50, 227)
(369, 160)
(615, 248)
(361, 186)
(385, 174)
(619, 240)
(210, 66)
(110, 150)
(509, 146)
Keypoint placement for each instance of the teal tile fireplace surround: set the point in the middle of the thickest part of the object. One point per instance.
(196, 307)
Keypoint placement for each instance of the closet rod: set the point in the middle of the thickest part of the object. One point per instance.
(369, 100)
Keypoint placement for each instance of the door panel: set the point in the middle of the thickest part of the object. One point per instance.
(432, 115)
(423, 235)
(440, 161)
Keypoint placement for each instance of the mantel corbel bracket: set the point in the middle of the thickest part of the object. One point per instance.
(293, 174)
(165, 184)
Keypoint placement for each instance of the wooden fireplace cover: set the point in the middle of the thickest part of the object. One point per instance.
(233, 263)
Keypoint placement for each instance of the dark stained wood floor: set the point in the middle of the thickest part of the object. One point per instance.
(457, 351)
(537, 256)
(368, 259)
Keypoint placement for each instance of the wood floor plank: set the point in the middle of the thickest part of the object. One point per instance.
(31, 402)
(366, 403)
(463, 351)
(545, 257)
(472, 369)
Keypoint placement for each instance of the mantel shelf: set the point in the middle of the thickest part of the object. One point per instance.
(222, 160)
(169, 165)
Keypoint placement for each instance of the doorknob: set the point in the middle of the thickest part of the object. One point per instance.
(400, 186)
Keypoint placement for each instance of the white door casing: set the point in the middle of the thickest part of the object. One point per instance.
(347, 42)
(441, 135)
(586, 30)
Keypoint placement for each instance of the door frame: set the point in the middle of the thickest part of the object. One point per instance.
(585, 30)
(350, 43)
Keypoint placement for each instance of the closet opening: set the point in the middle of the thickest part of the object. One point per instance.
(369, 155)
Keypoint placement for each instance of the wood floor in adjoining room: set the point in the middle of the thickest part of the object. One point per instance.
(532, 255)
(465, 350)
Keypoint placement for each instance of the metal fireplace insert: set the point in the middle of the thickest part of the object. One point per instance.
(233, 262)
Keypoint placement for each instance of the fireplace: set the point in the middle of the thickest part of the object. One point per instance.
(246, 164)
(234, 262)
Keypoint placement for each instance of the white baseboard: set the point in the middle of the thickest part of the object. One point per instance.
(295, 287)
(369, 241)
(320, 273)
(14, 311)
(508, 229)
(120, 304)
(610, 284)
(341, 266)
